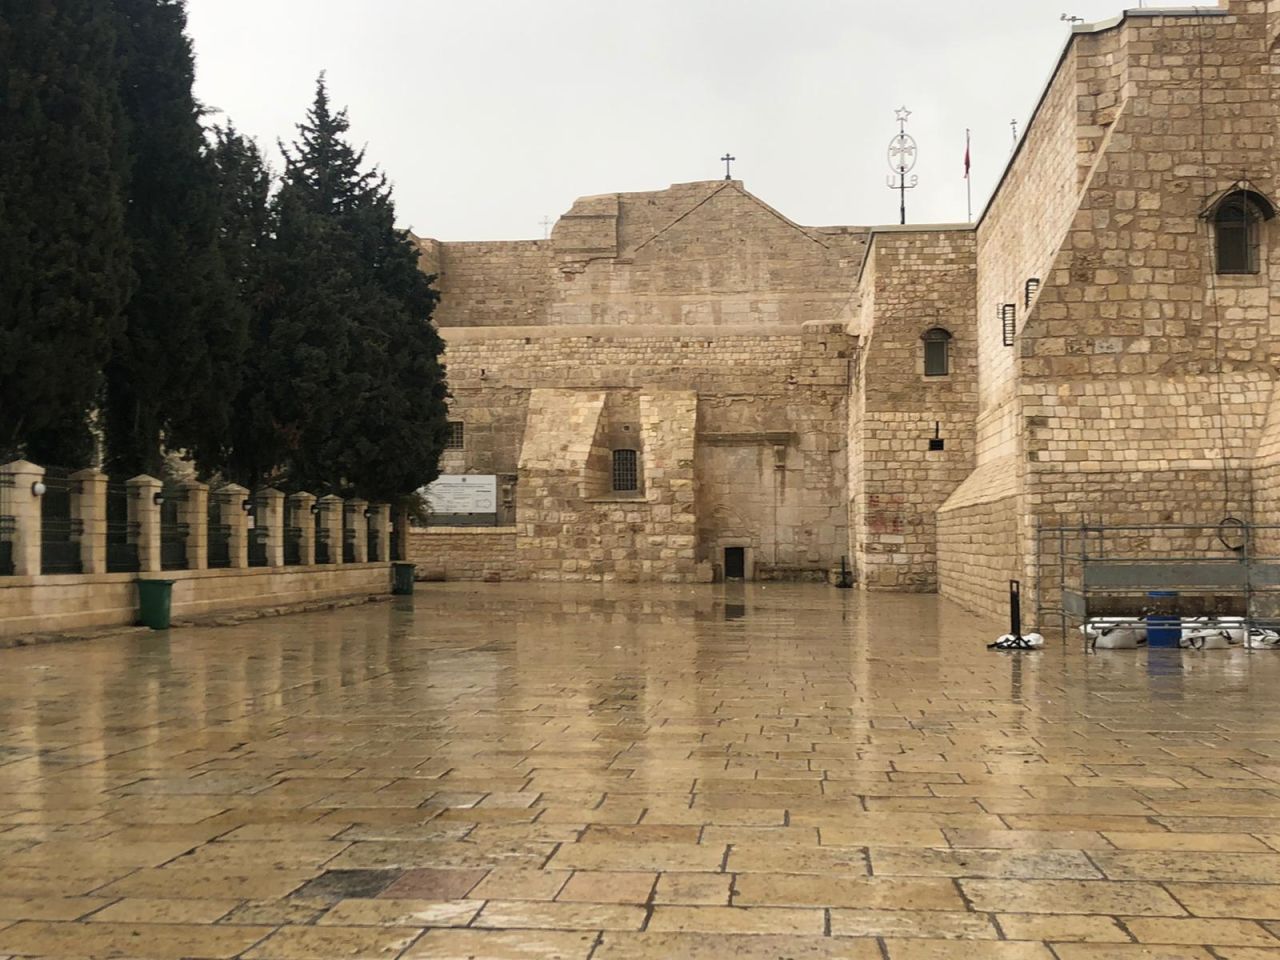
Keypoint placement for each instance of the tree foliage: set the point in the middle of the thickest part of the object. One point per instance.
(64, 261)
(176, 369)
(356, 386)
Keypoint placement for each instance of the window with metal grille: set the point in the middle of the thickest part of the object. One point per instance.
(1235, 224)
(457, 436)
(626, 471)
(937, 352)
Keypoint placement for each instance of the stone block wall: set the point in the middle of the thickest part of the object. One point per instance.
(465, 553)
(922, 279)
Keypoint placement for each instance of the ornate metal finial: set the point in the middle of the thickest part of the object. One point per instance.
(546, 227)
(727, 160)
(902, 160)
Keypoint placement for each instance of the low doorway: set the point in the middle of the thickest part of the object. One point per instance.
(735, 563)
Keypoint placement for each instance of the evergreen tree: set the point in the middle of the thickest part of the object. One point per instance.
(358, 389)
(245, 229)
(174, 373)
(64, 261)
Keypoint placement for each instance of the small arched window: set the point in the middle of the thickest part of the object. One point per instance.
(626, 471)
(937, 352)
(1237, 221)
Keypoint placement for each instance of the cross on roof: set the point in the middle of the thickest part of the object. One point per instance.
(546, 227)
(728, 160)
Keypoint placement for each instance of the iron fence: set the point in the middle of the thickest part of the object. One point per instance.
(322, 535)
(348, 538)
(173, 532)
(219, 531)
(372, 540)
(60, 530)
(8, 526)
(259, 537)
(292, 535)
(122, 533)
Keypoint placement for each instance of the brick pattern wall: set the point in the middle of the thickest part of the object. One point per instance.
(923, 280)
(466, 553)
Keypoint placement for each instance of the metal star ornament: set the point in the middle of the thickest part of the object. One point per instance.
(902, 114)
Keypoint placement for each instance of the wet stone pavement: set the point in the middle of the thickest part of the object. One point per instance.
(555, 772)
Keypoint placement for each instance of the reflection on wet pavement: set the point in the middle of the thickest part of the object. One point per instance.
(555, 772)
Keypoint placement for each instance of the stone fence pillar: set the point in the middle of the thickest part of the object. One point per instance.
(236, 517)
(193, 513)
(305, 521)
(331, 521)
(21, 502)
(270, 518)
(89, 506)
(360, 524)
(381, 520)
(144, 514)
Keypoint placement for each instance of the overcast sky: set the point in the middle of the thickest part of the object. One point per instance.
(489, 115)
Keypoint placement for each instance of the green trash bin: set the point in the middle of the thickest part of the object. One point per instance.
(154, 600)
(402, 579)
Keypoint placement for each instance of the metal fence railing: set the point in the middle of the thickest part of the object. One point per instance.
(219, 555)
(60, 529)
(8, 526)
(122, 533)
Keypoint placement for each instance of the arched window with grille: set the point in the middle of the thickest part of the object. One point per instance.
(1237, 231)
(937, 352)
(626, 471)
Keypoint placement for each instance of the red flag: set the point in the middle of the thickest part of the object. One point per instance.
(966, 155)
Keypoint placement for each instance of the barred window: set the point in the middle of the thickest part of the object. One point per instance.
(1236, 220)
(457, 436)
(626, 476)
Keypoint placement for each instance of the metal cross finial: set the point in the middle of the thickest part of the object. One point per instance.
(902, 159)
(1013, 124)
(546, 227)
(728, 160)
(1068, 18)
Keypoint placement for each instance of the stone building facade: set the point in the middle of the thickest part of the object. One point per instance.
(1100, 344)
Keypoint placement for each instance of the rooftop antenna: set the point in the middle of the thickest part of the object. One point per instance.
(902, 160)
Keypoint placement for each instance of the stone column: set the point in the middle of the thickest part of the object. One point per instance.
(23, 504)
(331, 518)
(361, 524)
(193, 512)
(382, 524)
(302, 503)
(89, 506)
(270, 517)
(235, 517)
(144, 514)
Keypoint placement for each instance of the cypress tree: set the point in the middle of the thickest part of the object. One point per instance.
(360, 390)
(175, 371)
(64, 261)
(245, 229)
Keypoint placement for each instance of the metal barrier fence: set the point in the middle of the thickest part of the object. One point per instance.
(292, 535)
(219, 555)
(1228, 569)
(173, 532)
(322, 536)
(8, 526)
(122, 533)
(60, 530)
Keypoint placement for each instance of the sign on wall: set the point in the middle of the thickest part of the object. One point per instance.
(455, 494)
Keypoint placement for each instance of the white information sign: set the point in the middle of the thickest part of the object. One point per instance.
(454, 494)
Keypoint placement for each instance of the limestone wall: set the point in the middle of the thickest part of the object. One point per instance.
(923, 279)
(465, 553)
(54, 603)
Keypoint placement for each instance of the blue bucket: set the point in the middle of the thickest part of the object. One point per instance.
(1163, 629)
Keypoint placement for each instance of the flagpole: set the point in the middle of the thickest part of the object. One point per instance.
(968, 180)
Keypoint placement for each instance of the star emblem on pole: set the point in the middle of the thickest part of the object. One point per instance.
(902, 114)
